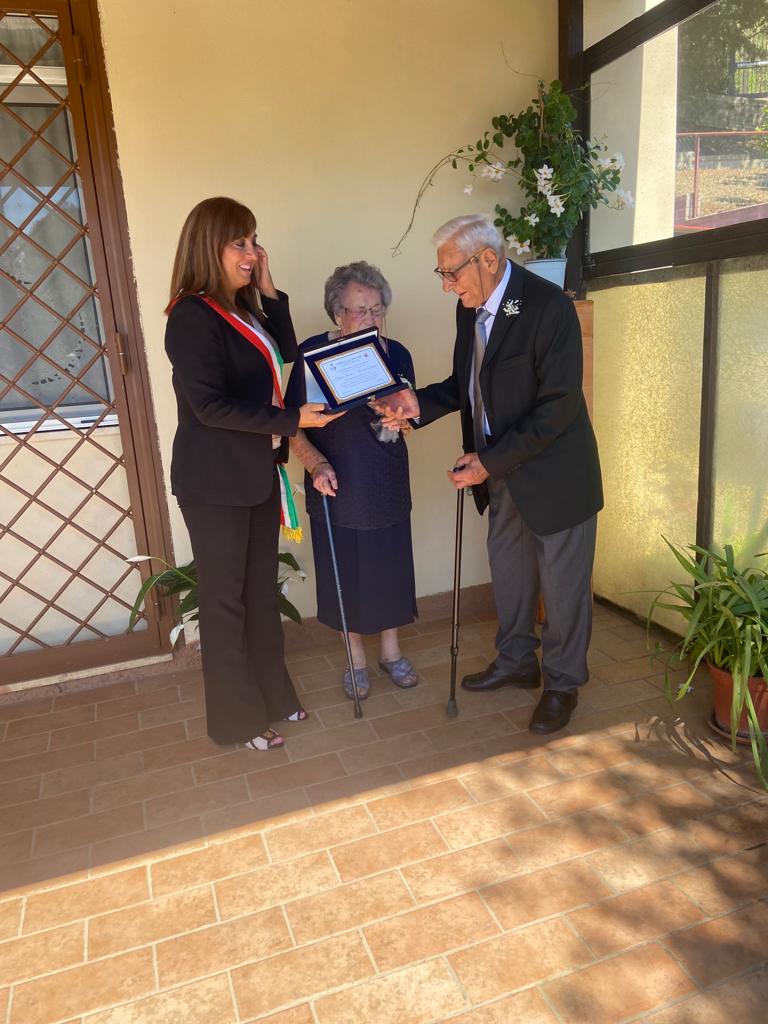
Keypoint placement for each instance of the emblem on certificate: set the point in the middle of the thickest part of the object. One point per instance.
(353, 369)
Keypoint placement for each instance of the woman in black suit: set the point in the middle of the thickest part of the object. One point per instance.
(228, 333)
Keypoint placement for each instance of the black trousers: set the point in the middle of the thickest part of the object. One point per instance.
(247, 686)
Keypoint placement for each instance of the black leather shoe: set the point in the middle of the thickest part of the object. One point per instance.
(553, 711)
(493, 678)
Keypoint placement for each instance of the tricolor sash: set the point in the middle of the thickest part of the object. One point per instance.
(289, 519)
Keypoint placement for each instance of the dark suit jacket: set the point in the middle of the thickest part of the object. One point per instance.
(222, 451)
(542, 444)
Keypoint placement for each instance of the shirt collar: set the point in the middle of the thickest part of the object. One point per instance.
(493, 301)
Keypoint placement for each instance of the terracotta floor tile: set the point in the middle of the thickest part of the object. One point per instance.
(107, 729)
(84, 899)
(338, 713)
(620, 988)
(518, 959)
(429, 931)
(44, 872)
(488, 821)
(648, 859)
(556, 841)
(426, 992)
(124, 851)
(417, 804)
(741, 1001)
(5, 994)
(727, 945)
(596, 755)
(661, 809)
(176, 806)
(33, 955)
(526, 898)
(47, 723)
(289, 776)
(647, 913)
(148, 922)
(624, 671)
(153, 741)
(25, 745)
(93, 773)
(137, 702)
(257, 815)
(387, 850)
(731, 831)
(459, 732)
(15, 847)
(184, 752)
(328, 741)
(267, 886)
(579, 794)
(466, 760)
(347, 906)
(214, 862)
(727, 882)
(39, 764)
(222, 947)
(364, 786)
(237, 762)
(89, 829)
(494, 781)
(93, 695)
(463, 871)
(83, 989)
(300, 973)
(603, 696)
(202, 1002)
(25, 709)
(177, 712)
(142, 787)
(35, 813)
(295, 1015)
(10, 919)
(526, 1007)
(413, 720)
(317, 833)
(391, 751)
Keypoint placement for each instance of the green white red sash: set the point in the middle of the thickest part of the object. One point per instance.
(289, 519)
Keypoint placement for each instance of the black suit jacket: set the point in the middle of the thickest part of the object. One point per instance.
(542, 443)
(222, 451)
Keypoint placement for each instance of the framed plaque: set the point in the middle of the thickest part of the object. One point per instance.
(352, 370)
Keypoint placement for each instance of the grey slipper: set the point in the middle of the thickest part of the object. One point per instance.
(363, 683)
(401, 672)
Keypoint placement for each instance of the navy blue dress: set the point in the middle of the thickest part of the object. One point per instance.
(370, 513)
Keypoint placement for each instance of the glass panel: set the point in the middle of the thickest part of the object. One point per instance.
(696, 148)
(741, 436)
(647, 394)
(601, 17)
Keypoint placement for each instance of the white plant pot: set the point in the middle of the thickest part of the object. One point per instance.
(550, 270)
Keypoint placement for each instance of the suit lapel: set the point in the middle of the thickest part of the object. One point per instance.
(503, 323)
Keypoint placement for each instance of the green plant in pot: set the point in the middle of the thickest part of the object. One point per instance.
(561, 175)
(725, 612)
(180, 581)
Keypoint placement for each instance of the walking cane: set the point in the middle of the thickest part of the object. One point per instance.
(345, 631)
(452, 708)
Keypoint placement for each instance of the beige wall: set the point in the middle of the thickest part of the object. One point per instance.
(324, 118)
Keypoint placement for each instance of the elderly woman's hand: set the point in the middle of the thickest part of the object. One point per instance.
(324, 479)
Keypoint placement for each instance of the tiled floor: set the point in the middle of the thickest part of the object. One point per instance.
(403, 869)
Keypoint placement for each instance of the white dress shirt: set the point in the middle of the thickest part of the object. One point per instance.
(492, 304)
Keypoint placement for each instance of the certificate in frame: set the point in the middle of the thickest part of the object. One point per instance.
(353, 369)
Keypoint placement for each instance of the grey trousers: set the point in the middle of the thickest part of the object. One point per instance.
(559, 566)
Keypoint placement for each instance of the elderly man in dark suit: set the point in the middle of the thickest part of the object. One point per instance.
(530, 456)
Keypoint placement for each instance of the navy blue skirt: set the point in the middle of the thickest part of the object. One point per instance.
(377, 577)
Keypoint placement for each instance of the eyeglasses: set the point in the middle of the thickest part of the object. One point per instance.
(361, 312)
(453, 275)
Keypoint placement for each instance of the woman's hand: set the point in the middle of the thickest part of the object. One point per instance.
(311, 415)
(324, 479)
(262, 275)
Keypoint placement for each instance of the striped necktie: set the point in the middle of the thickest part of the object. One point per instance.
(478, 417)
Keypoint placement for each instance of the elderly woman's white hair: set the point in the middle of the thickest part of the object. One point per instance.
(354, 273)
(471, 233)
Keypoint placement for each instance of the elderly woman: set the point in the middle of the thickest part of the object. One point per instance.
(364, 469)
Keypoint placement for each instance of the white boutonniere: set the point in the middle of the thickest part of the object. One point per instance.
(511, 307)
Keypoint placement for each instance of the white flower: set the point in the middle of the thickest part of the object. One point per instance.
(139, 558)
(623, 199)
(519, 247)
(468, 190)
(511, 307)
(544, 173)
(618, 160)
(532, 218)
(605, 161)
(544, 187)
(556, 205)
(494, 171)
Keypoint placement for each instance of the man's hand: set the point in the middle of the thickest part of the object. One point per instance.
(468, 470)
(399, 406)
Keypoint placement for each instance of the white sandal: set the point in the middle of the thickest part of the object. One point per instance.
(268, 740)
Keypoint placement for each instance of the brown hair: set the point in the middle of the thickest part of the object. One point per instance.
(197, 266)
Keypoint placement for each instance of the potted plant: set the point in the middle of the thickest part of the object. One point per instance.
(181, 582)
(560, 174)
(725, 611)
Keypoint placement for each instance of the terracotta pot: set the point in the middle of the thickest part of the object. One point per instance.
(723, 694)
